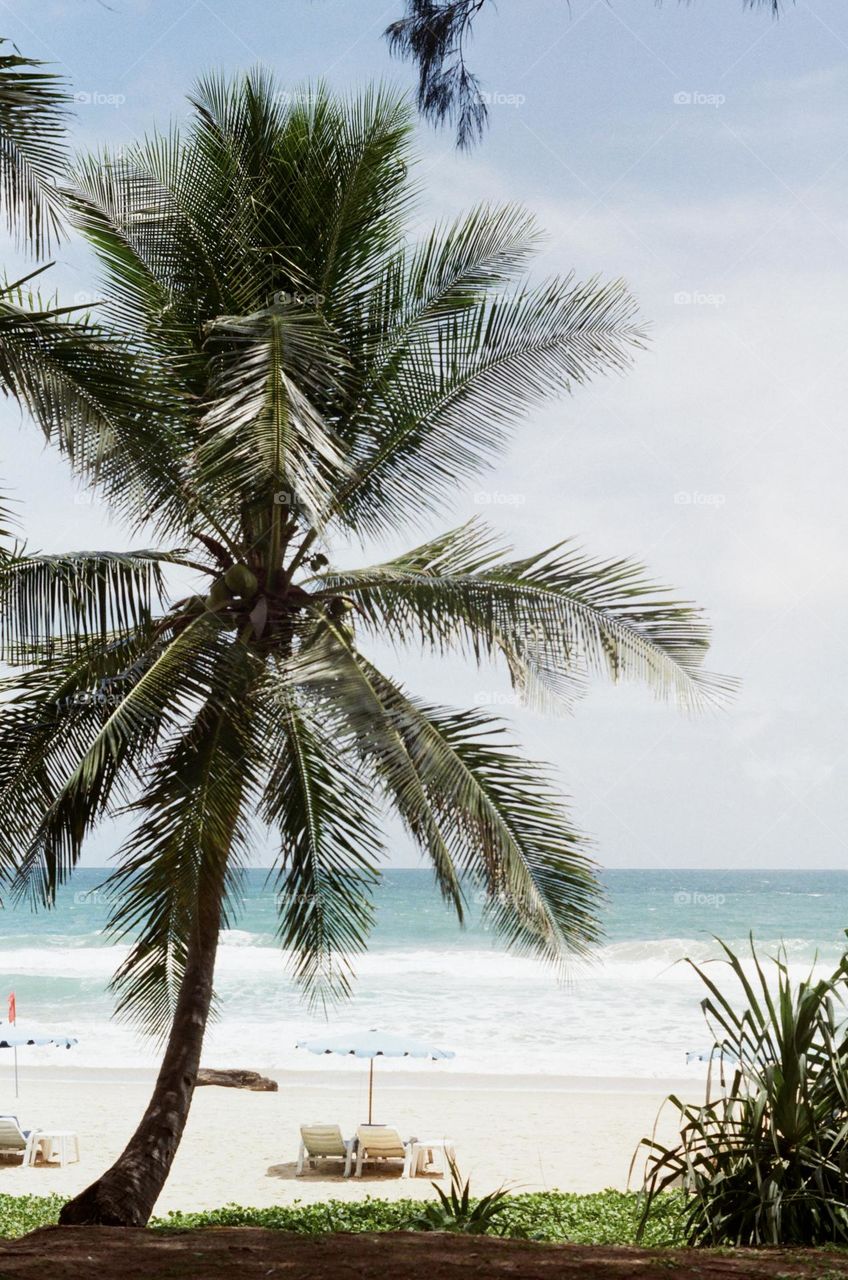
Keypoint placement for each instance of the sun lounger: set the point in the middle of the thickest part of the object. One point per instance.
(382, 1142)
(15, 1141)
(323, 1142)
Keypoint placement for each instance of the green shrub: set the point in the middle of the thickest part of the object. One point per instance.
(765, 1161)
(20, 1214)
(606, 1217)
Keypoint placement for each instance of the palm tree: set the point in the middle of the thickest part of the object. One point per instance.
(280, 368)
(434, 36)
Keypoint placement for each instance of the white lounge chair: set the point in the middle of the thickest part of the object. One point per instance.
(323, 1142)
(382, 1142)
(15, 1141)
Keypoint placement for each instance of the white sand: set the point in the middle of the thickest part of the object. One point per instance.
(239, 1147)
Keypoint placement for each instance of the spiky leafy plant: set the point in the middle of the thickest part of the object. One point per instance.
(280, 368)
(765, 1158)
(456, 1211)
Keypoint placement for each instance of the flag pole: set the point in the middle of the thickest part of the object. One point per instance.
(13, 1017)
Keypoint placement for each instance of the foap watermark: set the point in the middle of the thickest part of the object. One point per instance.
(694, 498)
(287, 298)
(495, 498)
(495, 698)
(297, 97)
(698, 298)
(695, 98)
(102, 897)
(89, 698)
(496, 98)
(287, 898)
(285, 498)
(683, 898)
(97, 98)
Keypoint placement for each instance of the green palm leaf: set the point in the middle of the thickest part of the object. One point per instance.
(47, 600)
(494, 815)
(455, 395)
(194, 828)
(33, 110)
(164, 683)
(556, 617)
(261, 432)
(320, 805)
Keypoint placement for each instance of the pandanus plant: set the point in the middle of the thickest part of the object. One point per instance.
(765, 1157)
(280, 368)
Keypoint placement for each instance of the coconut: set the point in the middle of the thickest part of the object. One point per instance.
(219, 594)
(242, 580)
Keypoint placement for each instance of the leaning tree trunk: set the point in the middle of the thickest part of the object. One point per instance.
(125, 1194)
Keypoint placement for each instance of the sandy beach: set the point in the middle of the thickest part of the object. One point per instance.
(531, 1132)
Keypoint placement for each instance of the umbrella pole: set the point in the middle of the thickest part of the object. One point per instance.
(16, 1071)
(370, 1088)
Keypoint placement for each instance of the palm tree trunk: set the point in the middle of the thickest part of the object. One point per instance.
(125, 1194)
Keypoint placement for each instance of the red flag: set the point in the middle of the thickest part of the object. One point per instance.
(12, 1007)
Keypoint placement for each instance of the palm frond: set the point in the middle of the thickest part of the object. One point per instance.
(165, 684)
(47, 600)
(556, 617)
(193, 828)
(505, 826)
(52, 713)
(93, 398)
(320, 804)
(33, 110)
(498, 821)
(454, 267)
(455, 394)
(262, 434)
(314, 188)
(328, 669)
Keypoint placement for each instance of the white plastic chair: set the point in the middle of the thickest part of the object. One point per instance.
(15, 1141)
(323, 1142)
(382, 1142)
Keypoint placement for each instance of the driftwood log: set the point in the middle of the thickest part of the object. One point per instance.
(235, 1079)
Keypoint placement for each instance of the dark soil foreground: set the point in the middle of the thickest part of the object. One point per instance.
(247, 1253)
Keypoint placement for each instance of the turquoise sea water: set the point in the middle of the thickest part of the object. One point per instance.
(632, 1012)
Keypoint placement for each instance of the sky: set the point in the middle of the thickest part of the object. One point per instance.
(699, 152)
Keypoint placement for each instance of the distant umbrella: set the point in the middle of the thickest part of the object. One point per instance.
(13, 1035)
(373, 1044)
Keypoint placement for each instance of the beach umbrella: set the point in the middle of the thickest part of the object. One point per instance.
(12, 1035)
(371, 1045)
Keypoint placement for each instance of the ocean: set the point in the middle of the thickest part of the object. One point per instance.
(633, 1012)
